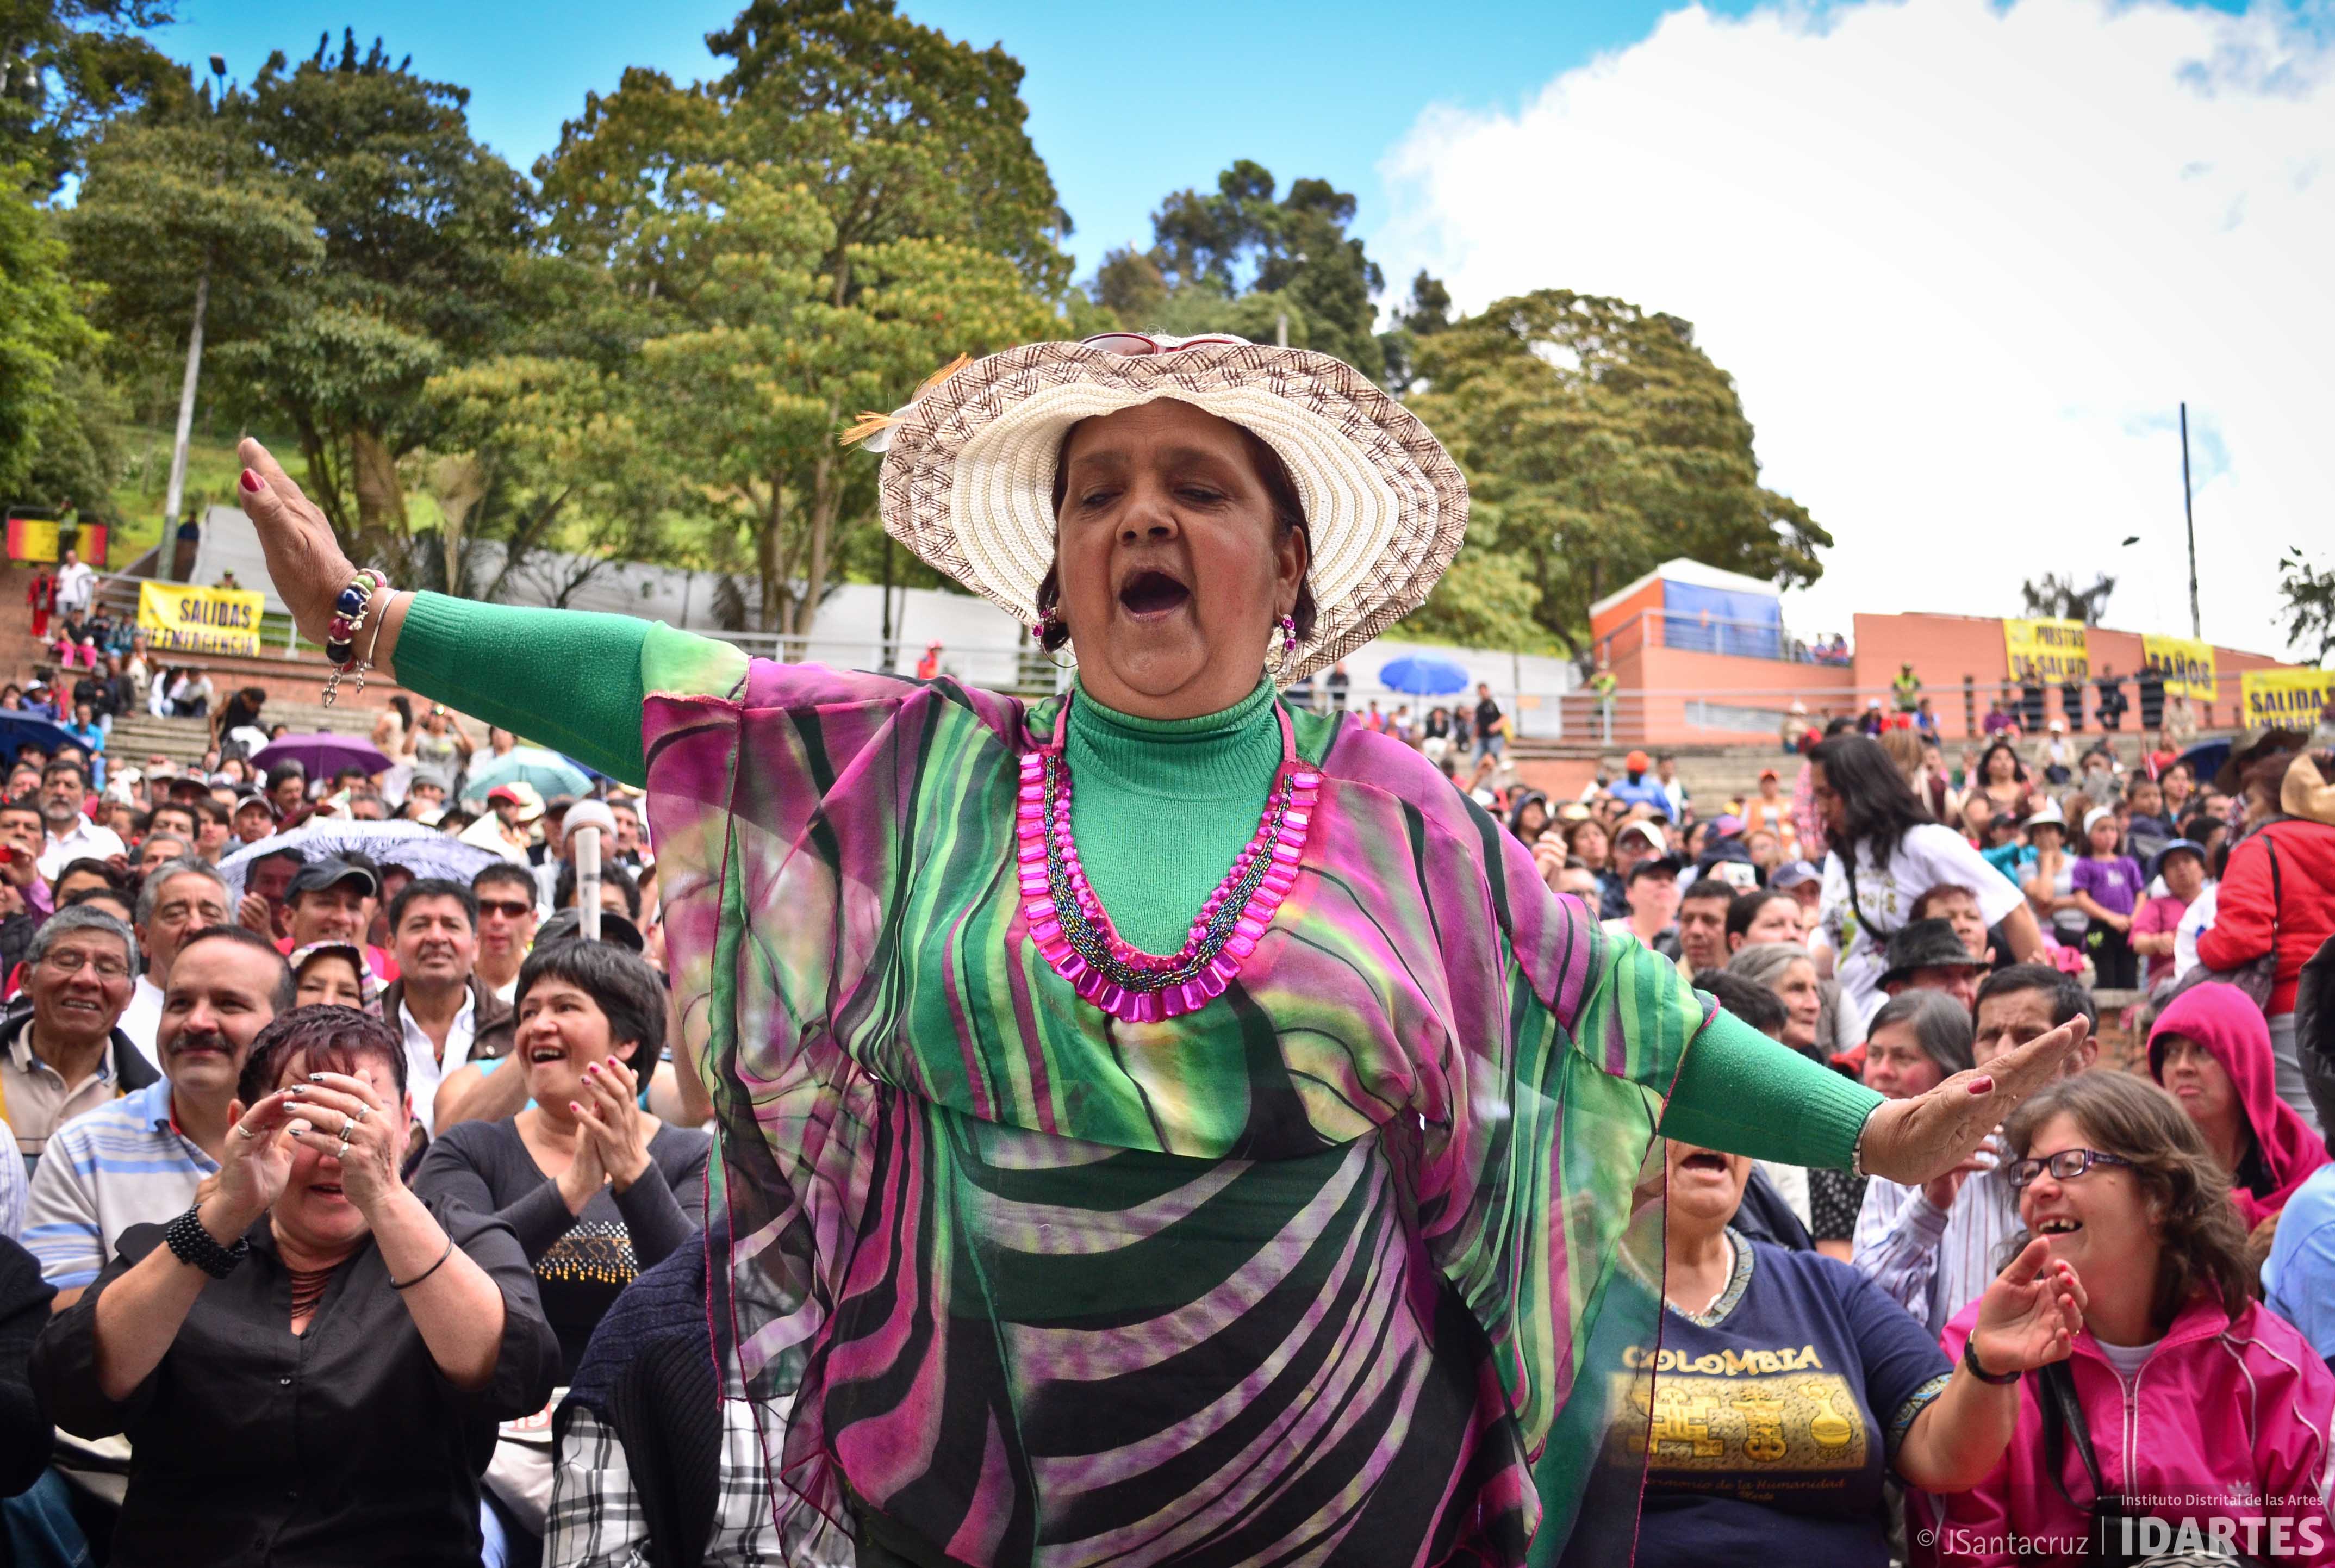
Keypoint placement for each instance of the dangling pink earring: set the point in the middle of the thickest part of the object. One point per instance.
(1048, 621)
(1288, 643)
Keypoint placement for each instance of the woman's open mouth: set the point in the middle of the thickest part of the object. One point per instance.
(1150, 593)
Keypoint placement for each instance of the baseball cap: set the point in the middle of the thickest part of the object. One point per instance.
(1647, 831)
(1636, 762)
(2047, 815)
(521, 794)
(1657, 865)
(319, 875)
(1767, 773)
(1793, 873)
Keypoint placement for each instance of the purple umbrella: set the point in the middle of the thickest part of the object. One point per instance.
(322, 754)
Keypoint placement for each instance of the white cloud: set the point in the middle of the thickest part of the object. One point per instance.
(1963, 261)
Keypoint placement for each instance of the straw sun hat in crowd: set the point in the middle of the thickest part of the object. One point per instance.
(969, 464)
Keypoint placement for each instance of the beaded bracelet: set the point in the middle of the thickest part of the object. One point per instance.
(349, 611)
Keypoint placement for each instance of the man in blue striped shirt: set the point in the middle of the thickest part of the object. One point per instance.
(139, 1159)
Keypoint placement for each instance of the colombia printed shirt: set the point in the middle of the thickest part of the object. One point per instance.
(1771, 1418)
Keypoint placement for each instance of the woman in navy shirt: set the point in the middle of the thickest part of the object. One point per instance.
(1785, 1386)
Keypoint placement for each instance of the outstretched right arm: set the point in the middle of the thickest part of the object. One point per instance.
(494, 661)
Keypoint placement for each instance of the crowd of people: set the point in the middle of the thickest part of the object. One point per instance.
(1897, 919)
(1906, 921)
(368, 1214)
(169, 1004)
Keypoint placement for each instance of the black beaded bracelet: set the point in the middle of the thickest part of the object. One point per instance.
(196, 1247)
(1970, 1359)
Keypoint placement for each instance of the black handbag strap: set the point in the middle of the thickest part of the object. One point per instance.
(2063, 1420)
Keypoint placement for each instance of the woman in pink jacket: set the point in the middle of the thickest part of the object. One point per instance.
(2207, 1415)
(2210, 1050)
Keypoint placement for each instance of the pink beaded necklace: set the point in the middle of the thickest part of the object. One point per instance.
(1074, 934)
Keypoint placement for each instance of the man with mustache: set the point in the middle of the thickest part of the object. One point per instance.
(140, 1159)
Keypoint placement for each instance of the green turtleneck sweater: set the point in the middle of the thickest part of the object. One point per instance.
(1160, 808)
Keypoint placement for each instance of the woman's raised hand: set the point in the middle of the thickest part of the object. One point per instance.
(1915, 1140)
(304, 559)
(343, 1117)
(258, 1163)
(2032, 1313)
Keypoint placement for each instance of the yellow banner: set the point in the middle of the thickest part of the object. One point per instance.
(191, 620)
(2048, 651)
(2290, 699)
(2188, 666)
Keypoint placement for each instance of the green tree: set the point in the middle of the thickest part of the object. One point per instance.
(43, 338)
(2310, 595)
(66, 64)
(1599, 441)
(855, 201)
(1428, 313)
(1240, 258)
(426, 264)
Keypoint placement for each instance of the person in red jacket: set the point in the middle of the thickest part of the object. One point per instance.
(2277, 899)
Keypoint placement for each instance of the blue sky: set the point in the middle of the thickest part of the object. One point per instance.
(1127, 102)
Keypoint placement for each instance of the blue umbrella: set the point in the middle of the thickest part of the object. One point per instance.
(548, 772)
(1422, 677)
(18, 730)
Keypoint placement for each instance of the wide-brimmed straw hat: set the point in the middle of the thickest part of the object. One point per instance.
(968, 477)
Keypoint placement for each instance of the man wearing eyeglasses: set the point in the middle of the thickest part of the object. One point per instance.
(60, 1051)
(1936, 1248)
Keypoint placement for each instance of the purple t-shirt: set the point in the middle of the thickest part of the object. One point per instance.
(2114, 883)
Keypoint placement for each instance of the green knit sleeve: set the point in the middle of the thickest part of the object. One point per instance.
(562, 678)
(1739, 1092)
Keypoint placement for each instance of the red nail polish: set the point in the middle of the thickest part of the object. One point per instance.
(1982, 1086)
(251, 481)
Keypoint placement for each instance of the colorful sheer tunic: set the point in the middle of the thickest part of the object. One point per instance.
(1311, 1275)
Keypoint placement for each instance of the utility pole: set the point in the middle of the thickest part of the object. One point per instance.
(177, 493)
(2189, 516)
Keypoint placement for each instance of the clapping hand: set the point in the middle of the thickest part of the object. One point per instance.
(608, 1119)
(2030, 1314)
(1919, 1139)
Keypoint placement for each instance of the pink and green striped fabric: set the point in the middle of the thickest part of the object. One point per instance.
(1309, 1275)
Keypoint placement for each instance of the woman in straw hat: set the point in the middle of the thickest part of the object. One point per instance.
(1158, 1124)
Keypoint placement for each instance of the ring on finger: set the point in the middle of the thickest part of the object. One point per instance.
(363, 1110)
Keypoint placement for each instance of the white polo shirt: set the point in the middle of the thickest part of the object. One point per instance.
(86, 841)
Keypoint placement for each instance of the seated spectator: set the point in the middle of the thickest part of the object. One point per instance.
(1794, 1472)
(1632, 842)
(1958, 906)
(2180, 865)
(1768, 1214)
(1702, 924)
(334, 974)
(60, 1054)
(1804, 882)
(507, 920)
(1755, 918)
(594, 1188)
(414, 1326)
(138, 1160)
(1787, 969)
(177, 899)
(254, 818)
(2277, 899)
(620, 891)
(332, 901)
(1916, 1042)
(2210, 1050)
(1933, 1248)
(1930, 955)
(2201, 1405)
(1653, 895)
(437, 1003)
(27, 1437)
(646, 1441)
